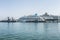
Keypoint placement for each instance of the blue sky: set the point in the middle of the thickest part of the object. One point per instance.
(18, 8)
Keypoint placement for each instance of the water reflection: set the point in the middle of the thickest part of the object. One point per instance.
(51, 31)
(30, 27)
(46, 31)
(29, 31)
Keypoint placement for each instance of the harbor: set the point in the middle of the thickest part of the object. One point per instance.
(35, 18)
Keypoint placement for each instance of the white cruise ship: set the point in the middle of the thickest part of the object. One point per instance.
(31, 18)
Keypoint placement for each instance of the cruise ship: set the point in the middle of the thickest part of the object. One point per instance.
(41, 18)
(31, 18)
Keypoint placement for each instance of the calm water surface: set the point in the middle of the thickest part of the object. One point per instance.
(29, 31)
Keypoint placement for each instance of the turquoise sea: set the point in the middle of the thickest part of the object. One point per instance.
(29, 31)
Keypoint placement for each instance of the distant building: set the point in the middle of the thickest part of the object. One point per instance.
(47, 16)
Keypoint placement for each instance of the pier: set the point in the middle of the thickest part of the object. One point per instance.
(8, 20)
